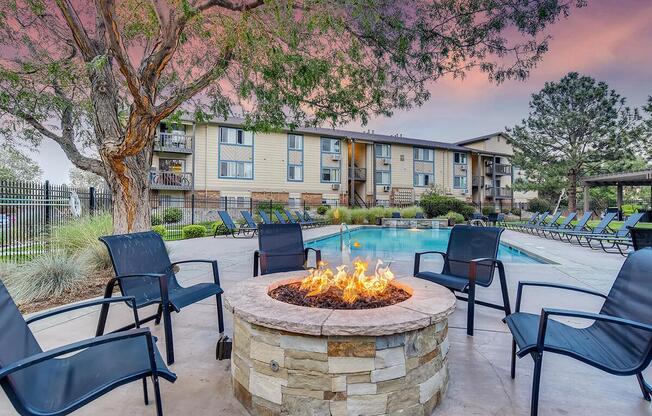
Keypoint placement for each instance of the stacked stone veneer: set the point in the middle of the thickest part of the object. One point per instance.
(284, 373)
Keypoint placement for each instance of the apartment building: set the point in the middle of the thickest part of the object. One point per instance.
(220, 159)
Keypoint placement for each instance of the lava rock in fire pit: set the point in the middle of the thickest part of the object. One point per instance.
(332, 298)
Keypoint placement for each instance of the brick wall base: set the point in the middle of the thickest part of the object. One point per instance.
(281, 197)
(311, 199)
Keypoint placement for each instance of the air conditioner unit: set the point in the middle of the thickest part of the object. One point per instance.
(387, 162)
(387, 188)
(335, 187)
(335, 158)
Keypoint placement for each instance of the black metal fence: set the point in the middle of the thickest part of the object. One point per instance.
(30, 210)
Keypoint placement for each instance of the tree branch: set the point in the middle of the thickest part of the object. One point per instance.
(82, 39)
(230, 5)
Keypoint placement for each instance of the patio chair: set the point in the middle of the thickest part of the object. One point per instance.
(500, 220)
(64, 379)
(564, 225)
(641, 237)
(620, 240)
(541, 221)
(580, 226)
(243, 231)
(281, 249)
(419, 215)
(303, 221)
(619, 341)
(280, 219)
(249, 219)
(265, 217)
(144, 271)
(469, 261)
(601, 229)
(396, 214)
(298, 220)
(515, 226)
(552, 223)
(317, 222)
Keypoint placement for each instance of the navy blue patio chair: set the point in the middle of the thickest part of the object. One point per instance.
(298, 220)
(144, 271)
(641, 237)
(580, 226)
(500, 220)
(265, 217)
(540, 221)
(532, 220)
(249, 219)
(602, 229)
(620, 240)
(619, 341)
(564, 225)
(552, 222)
(419, 215)
(317, 222)
(396, 214)
(242, 231)
(303, 220)
(280, 249)
(469, 261)
(281, 219)
(64, 379)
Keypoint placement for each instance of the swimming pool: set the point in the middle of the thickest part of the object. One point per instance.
(399, 244)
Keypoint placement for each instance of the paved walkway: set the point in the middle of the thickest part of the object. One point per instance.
(480, 382)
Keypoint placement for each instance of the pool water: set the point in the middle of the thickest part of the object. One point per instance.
(398, 244)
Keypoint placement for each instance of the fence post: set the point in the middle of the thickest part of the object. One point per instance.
(91, 200)
(48, 207)
(270, 209)
(192, 208)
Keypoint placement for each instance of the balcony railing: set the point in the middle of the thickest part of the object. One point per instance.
(359, 174)
(173, 142)
(477, 181)
(171, 180)
(501, 169)
(499, 193)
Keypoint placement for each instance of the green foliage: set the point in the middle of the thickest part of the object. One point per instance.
(456, 217)
(629, 209)
(434, 205)
(156, 219)
(79, 238)
(515, 211)
(359, 215)
(47, 275)
(215, 225)
(194, 231)
(172, 215)
(339, 215)
(15, 165)
(321, 210)
(539, 205)
(410, 212)
(488, 210)
(160, 230)
(375, 213)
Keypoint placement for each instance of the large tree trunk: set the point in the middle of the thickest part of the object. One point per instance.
(572, 190)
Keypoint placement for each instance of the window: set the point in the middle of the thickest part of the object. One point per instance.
(460, 158)
(330, 175)
(295, 142)
(172, 165)
(330, 145)
(459, 182)
(423, 155)
(383, 150)
(239, 137)
(383, 178)
(294, 202)
(295, 173)
(423, 179)
(331, 202)
(234, 169)
(459, 170)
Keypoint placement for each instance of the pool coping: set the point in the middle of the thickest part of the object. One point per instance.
(543, 260)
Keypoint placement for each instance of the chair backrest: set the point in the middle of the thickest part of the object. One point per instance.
(467, 243)
(419, 215)
(533, 218)
(227, 220)
(554, 219)
(477, 216)
(581, 224)
(285, 242)
(249, 218)
(630, 297)
(264, 217)
(564, 224)
(630, 222)
(602, 226)
(290, 217)
(641, 237)
(396, 214)
(301, 217)
(279, 217)
(137, 253)
(16, 343)
(542, 219)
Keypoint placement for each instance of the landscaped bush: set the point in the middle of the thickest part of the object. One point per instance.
(160, 230)
(410, 212)
(373, 214)
(358, 215)
(321, 210)
(538, 205)
(339, 215)
(193, 231)
(46, 276)
(434, 205)
(488, 210)
(629, 209)
(456, 217)
(156, 219)
(214, 226)
(79, 239)
(516, 211)
(172, 215)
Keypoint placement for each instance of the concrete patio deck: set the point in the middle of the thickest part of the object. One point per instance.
(480, 382)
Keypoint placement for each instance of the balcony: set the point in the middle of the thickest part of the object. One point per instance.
(173, 142)
(359, 174)
(501, 169)
(477, 181)
(178, 181)
(498, 193)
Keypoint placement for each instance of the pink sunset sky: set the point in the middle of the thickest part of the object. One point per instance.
(609, 40)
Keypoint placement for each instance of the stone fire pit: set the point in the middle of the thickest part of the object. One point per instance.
(299, 360)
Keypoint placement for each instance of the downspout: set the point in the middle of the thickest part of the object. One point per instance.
(192, 182)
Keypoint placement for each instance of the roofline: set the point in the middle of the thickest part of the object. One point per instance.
(482, 138)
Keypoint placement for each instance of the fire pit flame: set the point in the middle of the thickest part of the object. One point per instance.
(352, 285)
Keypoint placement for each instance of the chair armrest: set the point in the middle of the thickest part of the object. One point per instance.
(473, 266)
(522, 284)
(80, 345)
(216, 273)
(317, 255)
(130, 300)
(417, 259)
(547, 312)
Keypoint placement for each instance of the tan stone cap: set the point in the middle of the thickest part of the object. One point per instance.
(430, 303)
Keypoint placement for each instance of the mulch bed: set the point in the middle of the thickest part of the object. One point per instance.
(92, 287)
(332, 298)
